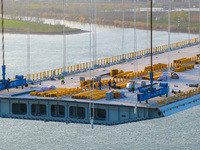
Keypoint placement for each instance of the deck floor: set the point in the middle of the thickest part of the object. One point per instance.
(73, 80)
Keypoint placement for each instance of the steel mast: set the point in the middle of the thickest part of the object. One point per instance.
(2, 31)
(151, 73)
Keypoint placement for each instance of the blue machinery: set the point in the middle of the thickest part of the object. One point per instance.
(150, 92)
(147, 93)
(19, 80)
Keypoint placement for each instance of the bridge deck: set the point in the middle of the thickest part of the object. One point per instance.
(73, 80)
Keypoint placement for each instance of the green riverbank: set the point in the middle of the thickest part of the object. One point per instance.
(20, 27)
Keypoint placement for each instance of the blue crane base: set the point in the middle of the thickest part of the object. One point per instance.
(146, 93)
(3, 72)
(4, 84)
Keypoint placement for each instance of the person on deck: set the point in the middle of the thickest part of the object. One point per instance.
(109, 84)
(133, 86)
(100, 85)
(7, 84)
(114, 84)
(62, 80)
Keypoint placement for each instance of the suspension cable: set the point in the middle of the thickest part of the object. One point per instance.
(64, 39)
(2, 31)
(90, 56)
(91, 47)
(151, 39)
(95, 33)
(189, 23)
(135, 40)
(199, 41)
(134, 37)
(169, 40)
(122, 29)
(28, 40)
(148, 27)
(135, 54)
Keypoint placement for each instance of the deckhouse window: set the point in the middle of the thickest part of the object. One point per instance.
(99, 114)
(19, 109)
(77, 112)
(57, 111)
(38, 109)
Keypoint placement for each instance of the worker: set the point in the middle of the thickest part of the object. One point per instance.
(133, 86)
(7, 84)
(62, 80)
(100, 85)
(109, 84)
(114, 84)
(91, 85)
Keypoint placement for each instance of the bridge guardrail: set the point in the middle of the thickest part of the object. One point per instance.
(114, 59)
(178, 97)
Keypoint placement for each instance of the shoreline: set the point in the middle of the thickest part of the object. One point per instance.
(128, 25)
(49, 33)
(20, 27)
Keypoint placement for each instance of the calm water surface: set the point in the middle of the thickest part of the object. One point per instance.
(179, 131)
(47, 50)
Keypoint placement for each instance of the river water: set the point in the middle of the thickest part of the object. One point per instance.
(179, 131)
(46, 51)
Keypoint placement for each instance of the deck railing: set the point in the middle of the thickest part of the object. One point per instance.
(114, 59)
(178, 97)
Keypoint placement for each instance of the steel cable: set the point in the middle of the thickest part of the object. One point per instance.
(2, 31)
(28, 39)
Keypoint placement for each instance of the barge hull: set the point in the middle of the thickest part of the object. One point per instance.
(73, 112)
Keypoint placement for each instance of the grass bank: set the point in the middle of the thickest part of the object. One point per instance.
(14, 26)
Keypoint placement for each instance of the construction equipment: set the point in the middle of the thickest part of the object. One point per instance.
(147, 93)
(19, 79)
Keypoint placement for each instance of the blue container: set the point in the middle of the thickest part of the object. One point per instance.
(20, 77)
(143, 90)
(163, 84)
(154, 90)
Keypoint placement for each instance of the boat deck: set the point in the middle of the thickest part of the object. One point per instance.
(73, 80)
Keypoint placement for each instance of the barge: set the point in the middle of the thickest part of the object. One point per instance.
(19, 104)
